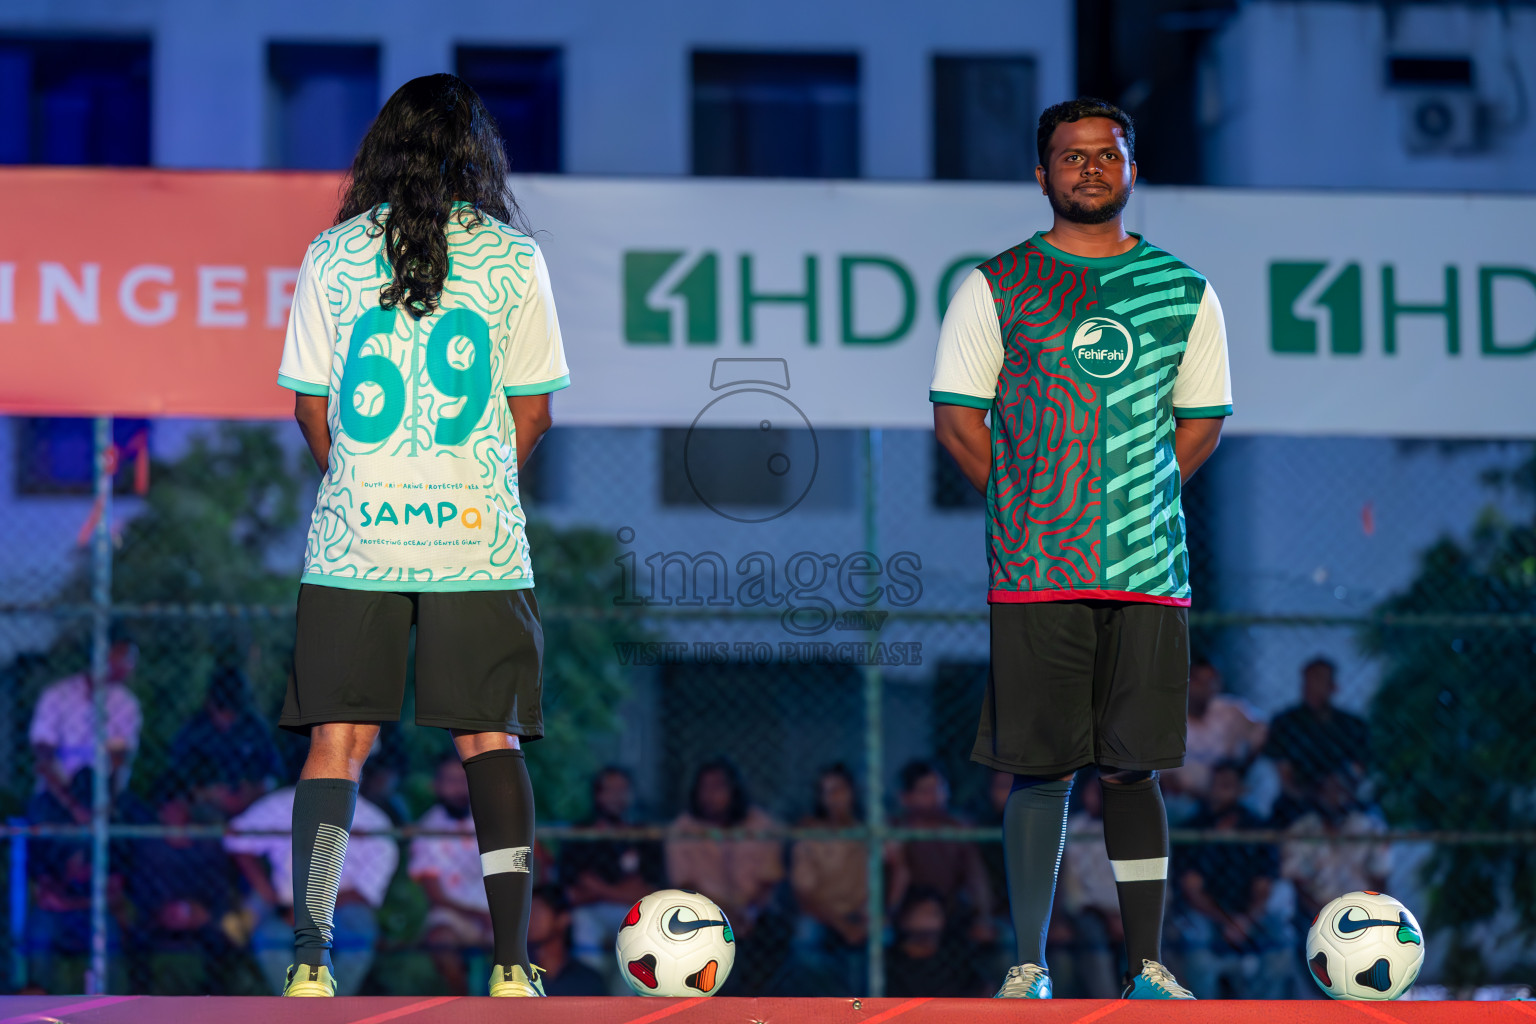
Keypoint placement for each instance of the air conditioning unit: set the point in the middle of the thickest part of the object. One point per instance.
(1440, 108)
(1436, 121)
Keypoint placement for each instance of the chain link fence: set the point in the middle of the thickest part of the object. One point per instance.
(766, 691)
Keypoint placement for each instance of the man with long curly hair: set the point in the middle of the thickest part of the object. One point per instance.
(422, 348)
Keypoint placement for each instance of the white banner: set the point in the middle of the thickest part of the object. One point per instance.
(1346, 313)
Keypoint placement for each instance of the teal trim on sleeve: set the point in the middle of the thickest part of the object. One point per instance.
(1204, 412)
(412, 586)
(543, 387)
(303, 387)
(955, 398)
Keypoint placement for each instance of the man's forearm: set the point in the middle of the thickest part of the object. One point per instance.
(48, 768)
(310, 412)
(528, 438)
(1198, 899)
(255, 871)
(531, 419)
(1193, 442)
(319, 440)
(432, 887)
(964, 433)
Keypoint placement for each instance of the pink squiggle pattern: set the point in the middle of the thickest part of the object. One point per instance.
(1045, 500)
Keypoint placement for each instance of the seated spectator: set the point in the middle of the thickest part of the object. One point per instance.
(1315, 739)
(738, 874)
(999, 788)
(1086, 926)
(448, 870)
(741, 875)
(1221, 728)
(549, 946)
(59, 919)
(1323, 870)
(266, 862)
(62, 733)
(180, 888)
(951, 868)
(830, 879)
(225, 753)
(1237, 947)
(604, 877)
(928, 958)
(380, 784)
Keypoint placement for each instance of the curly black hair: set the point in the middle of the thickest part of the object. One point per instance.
(432, 145)
(1076, 110)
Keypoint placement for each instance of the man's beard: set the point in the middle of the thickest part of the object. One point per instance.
(458, 812)
(1079, 213)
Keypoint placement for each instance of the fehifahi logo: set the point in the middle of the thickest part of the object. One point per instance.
(1101, 347)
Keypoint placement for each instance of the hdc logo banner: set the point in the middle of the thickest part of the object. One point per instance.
(1319, 304)
(1406, 316)
(167, 294)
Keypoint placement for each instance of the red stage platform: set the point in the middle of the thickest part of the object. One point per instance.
(363, 1010)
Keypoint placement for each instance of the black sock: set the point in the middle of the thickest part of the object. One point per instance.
(1034, 832)
(322, 818)
(1136, 838)
(501, 798)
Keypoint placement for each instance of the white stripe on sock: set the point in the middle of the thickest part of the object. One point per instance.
(498, 862)
(325, 877)
(1152, 869)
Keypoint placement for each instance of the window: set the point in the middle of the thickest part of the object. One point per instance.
(785, 115)
(57, 454)
(734, 467)
(74, 101)
(948, 486)
(754, 475)
(521, 88)
(322, 98)
(984, 118)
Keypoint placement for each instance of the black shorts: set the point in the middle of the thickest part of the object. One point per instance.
(1075, 683)
(479, 659)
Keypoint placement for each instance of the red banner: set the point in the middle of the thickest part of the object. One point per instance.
(151, 293)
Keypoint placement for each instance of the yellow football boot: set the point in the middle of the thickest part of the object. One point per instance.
(511, 981)
(307, 980)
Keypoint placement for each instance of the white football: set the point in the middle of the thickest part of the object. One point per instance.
(675, 943)
(1365, 945)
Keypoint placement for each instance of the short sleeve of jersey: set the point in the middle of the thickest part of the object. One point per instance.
(970, 352)
(536, 356)
(311, 340)
(1203, 388)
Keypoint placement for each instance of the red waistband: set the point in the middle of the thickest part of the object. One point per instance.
(1036, 596)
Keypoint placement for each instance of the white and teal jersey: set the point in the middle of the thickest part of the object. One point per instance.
(421, 491)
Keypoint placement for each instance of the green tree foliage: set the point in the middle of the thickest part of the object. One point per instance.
(578, 578)
(1451, 720)
(222, 529)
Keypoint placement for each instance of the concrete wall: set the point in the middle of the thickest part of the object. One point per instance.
(1296, 95)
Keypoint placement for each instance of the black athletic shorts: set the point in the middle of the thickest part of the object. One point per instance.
(479, 659)
(1075, 683)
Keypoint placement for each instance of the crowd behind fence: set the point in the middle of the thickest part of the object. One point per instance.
(810, 774)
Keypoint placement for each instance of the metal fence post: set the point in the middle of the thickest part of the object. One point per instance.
(874, 754)
(20, 953)
(101, 617)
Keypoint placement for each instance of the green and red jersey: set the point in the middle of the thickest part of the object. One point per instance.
(1084, 365)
